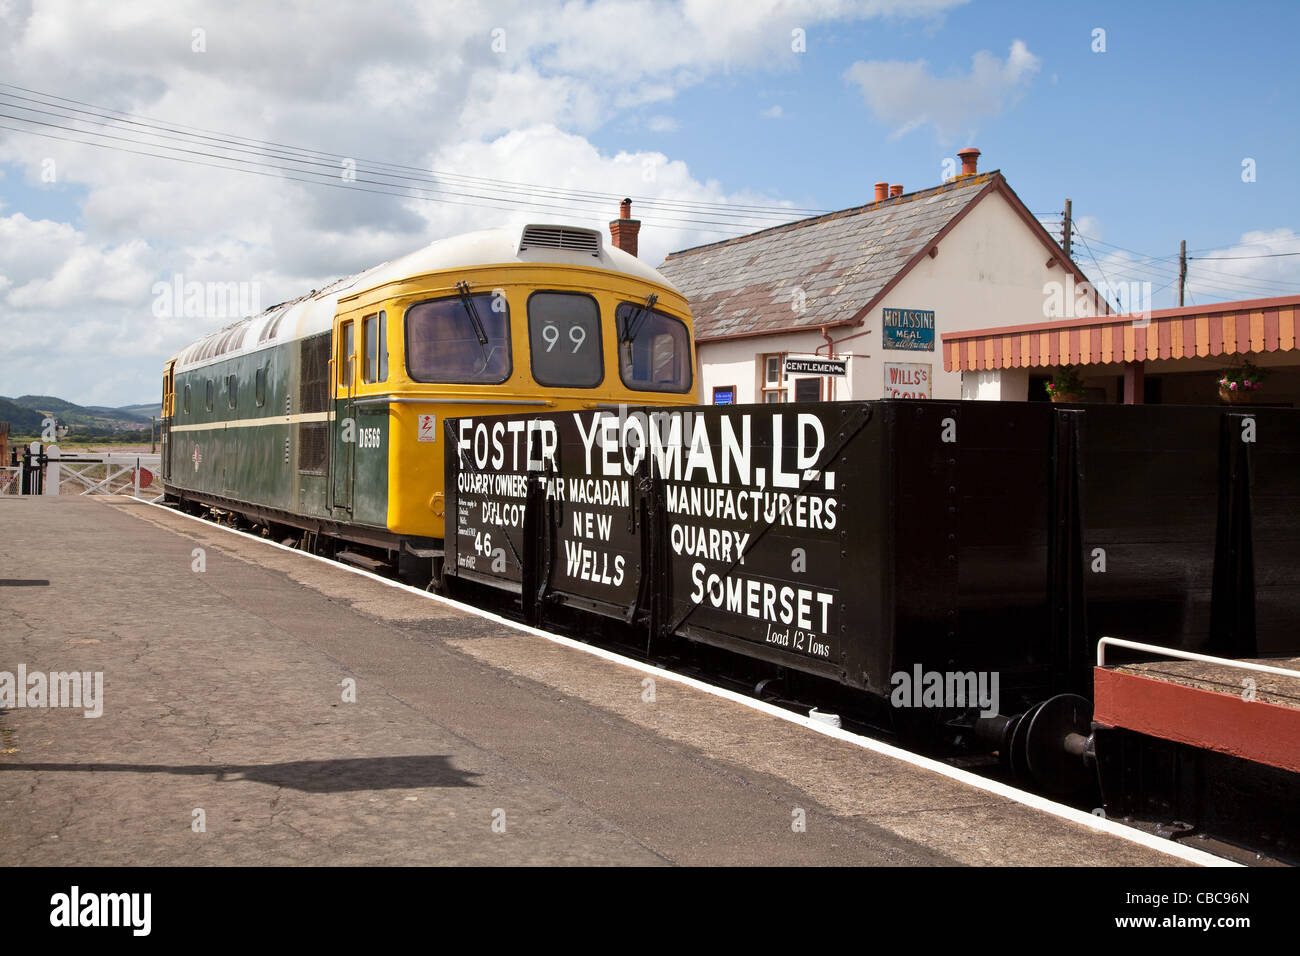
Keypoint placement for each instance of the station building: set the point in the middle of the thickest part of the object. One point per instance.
(1171, 356)
(854, 304)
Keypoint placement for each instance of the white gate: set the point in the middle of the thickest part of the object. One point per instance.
(111, 473)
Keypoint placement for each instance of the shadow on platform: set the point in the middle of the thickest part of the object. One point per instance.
(309, 776)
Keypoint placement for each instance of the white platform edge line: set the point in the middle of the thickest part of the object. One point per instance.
(1059, 810)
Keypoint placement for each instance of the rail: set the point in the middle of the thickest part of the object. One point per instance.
(1186, 655)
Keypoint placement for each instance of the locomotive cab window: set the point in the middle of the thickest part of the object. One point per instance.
(564, 339)
(185, 400)
(463, 339)
(347, 349)
(654, 349)
(207, 398)
(374, 332)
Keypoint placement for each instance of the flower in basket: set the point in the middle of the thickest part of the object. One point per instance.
(1066, 381)
(1243, 378)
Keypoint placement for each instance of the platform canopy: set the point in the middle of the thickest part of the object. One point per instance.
(1224, 328)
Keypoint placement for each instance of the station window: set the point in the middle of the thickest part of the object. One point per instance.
(232, 390)
(185, 400)
(564, 339)
(774, 386)
(347, 349)
(207, 398)
(259, 387)
(464, 339)
(374, 329)
(807, 390)
(654, 349)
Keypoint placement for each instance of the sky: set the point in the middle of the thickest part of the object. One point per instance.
(1161, 122)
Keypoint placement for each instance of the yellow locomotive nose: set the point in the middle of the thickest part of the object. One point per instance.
(324, 417)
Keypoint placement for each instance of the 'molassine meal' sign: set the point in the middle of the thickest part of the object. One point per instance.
(911, 330)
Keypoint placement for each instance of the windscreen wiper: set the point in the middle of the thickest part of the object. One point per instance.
(468, 302)
(632, 324)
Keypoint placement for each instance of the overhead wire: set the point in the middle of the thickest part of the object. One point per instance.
(310, 156)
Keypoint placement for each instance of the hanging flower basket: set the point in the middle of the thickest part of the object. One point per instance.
(1238, 385)
(1066, 385)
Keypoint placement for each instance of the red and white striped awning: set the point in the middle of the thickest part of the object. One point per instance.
(1226, 328)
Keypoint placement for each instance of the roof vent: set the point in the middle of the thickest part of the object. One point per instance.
(560, 237)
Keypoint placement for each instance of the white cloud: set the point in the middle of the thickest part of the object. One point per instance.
(404, 82)
(568, 161)
(1262, 264)
(662, 124)
(907, 96)
(1257, 266)
(1090, 226)
(773, 112)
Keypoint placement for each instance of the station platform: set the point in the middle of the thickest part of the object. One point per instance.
(272, 708)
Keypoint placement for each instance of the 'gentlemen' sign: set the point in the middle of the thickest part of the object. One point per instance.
(910, 330)
(795, 366)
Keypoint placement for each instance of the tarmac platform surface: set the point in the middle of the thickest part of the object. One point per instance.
(469, 742)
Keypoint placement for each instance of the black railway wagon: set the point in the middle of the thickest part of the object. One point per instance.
(958, 560)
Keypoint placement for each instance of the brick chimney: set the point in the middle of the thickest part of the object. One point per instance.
(882, 191)
(896, 190)
(624, 229)
(969, 160)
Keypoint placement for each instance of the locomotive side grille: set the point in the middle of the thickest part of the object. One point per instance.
(560, 237)
(313, 445)
(314, 386)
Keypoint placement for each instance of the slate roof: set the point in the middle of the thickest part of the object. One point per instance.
(841, 261)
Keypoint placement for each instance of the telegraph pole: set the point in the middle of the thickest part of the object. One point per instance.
(1182, 270)
(1066, 230)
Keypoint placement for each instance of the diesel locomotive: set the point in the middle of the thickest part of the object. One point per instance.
(321, 418)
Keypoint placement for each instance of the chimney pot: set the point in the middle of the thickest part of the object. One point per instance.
(896, 190)
(969, 160)
(882, 191)
(623, 230)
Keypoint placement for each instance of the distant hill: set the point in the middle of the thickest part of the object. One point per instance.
(144, 411)
(26, 412)
(22, 421)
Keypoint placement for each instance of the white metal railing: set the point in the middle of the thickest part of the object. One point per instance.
(10, 479)
(1187, 656)
(102, 474)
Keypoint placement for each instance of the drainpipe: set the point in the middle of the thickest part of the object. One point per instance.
(830, 353)
(834, 342)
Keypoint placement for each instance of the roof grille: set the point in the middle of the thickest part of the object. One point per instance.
(560, 237)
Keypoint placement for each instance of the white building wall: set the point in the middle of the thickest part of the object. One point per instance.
(736, 362)
(989, 272)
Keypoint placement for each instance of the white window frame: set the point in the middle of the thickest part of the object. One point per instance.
(768, 392)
